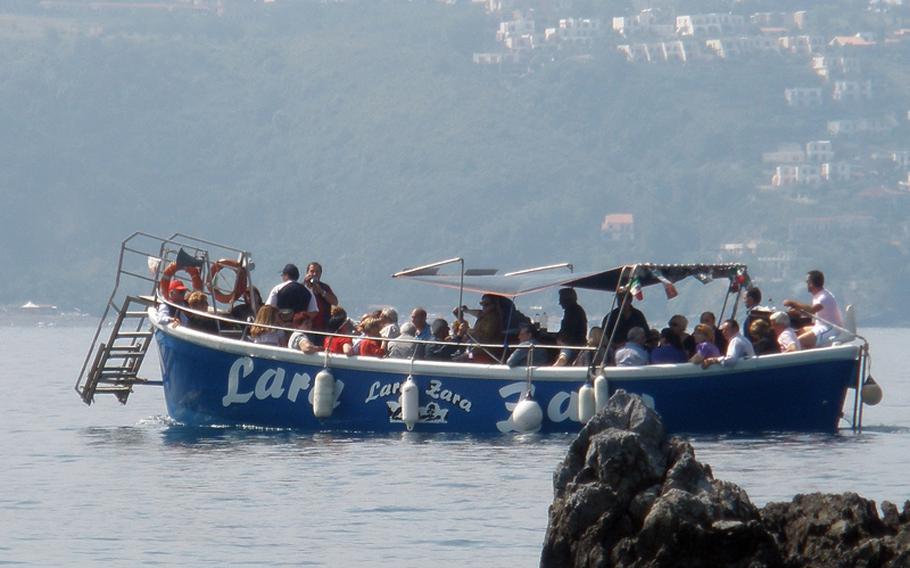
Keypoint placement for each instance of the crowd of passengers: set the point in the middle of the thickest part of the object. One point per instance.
(501, 333)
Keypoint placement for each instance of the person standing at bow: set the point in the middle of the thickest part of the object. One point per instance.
(825, 311)
(322, 298)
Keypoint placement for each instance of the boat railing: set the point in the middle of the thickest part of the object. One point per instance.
(228, 321)
(864, 368)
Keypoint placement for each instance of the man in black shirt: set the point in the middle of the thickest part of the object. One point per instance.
(290, 297)
(573, 332)
(623, 319)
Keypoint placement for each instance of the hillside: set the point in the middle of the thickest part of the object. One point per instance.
(361, 134)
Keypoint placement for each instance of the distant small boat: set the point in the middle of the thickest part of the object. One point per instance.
(38, 309)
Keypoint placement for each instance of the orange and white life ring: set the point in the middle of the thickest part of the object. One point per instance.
(164, 283)
(240, 281)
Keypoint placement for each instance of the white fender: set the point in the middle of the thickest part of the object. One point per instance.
(601, 392)
(409, 400)
(323, 394)
(527, 415)
(849, 324)
(586, 403)
(871, 392)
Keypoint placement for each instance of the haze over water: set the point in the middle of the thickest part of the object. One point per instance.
(119, 485)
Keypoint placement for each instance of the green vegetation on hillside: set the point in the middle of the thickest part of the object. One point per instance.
(361, 134)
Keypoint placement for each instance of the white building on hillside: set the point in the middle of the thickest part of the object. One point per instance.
(709, 24)
(819, 151)
(803, 96)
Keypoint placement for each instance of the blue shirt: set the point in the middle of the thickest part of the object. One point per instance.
(667, 354)
(519, 357)
(424, 334)
(631, 355)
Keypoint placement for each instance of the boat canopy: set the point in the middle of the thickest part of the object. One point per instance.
(488, 281)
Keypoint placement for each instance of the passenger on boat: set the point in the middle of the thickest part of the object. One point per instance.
(738, 347)
(512, 318)
(488, 327)
(594, 354)
(403, 346)
(487, 330)
(705, 344)
(573, 329)
(419, 319)
(243, 311)
(445, 349)
(300, 341)
(371, 345)
(176, 293)
(652, 340)
(291, 298)
(786, 336)
(358, 328)
(709, 319)
(339, 323)
(198, 302)
(633, 353)
(389, 329)
(751, 299)
(763, 339)
(267, 316)
(678, 324)
(669, 349)
(617, 323)
(322, 298)
(823, 307)
(524, 354)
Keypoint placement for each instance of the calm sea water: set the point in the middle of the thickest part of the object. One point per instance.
(119, 485)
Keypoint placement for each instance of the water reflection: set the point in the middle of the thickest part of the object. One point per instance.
(116, 436)
(178, 434)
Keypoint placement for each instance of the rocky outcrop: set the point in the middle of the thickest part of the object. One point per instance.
(627, 495)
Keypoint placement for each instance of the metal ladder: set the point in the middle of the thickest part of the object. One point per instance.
(112, 366)
(116, 363)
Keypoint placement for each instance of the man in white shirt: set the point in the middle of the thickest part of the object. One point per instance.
(738, 347)
(786, 336)
(828, 320)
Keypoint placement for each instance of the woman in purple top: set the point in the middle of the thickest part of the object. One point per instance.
(704, 344)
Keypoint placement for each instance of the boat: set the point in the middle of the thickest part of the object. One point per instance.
(223, 379)
(38, 309)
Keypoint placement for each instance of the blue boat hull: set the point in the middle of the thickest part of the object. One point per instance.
(210, 380)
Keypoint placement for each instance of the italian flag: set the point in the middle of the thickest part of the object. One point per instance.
(635, 289)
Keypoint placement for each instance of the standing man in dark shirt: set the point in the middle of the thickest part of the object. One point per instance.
(623, 318)
(291, 297)
(573, 332)
(322, 298)
(751, 299)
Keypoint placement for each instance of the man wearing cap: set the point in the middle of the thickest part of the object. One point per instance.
(176, 293)
(291, 297)
(786, 336)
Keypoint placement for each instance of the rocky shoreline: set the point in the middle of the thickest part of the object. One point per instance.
(626, 494)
